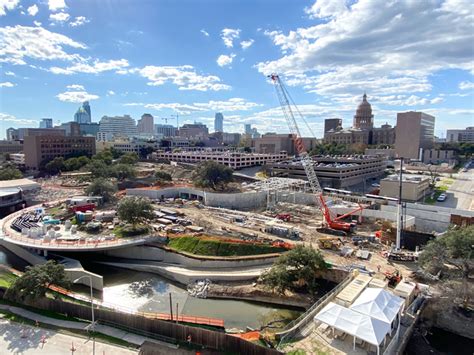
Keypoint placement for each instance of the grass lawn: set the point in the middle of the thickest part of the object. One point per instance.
(7, 278)
(130, 231)
(216, 247)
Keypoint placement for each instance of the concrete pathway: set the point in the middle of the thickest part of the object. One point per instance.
(131, 338)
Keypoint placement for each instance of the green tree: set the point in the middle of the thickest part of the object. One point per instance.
(36, 280)
(212, 174)
(163, 176)
(10, 173)
(145, 152)
(128, 158)
(71, 164)
(54, 166)
(98, 168)
(106, 156)
(102, 187)
(122, 171)
(296, 267)
(135, 210)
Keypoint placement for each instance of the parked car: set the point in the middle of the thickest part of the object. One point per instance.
(375, 185)
(441, 197)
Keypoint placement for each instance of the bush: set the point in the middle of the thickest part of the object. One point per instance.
(212, 174)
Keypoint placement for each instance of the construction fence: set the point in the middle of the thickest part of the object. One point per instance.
(167, 331)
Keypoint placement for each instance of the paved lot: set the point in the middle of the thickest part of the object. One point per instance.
(461, 192)
(20, 339)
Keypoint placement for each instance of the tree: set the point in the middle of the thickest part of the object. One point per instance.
(106, 156)
(10, 173)
(122, 171)
(102, 187)
(98, 168)
(145, 152)
(128, 158)
(134, 209)
(36, 280)
(212, 174)
(75, 163)
(297, 267)
(163, 176)
(55, 166)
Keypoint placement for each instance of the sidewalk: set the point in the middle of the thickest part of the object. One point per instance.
(131, 338)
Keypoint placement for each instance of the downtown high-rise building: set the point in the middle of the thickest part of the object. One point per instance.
(219, 122)
(414, 133)
(83, 113)
(248, 128)
(116, 126)
(146, 125)
(46, 123)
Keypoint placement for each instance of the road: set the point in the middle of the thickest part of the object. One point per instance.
(21, 339)
(461, 192)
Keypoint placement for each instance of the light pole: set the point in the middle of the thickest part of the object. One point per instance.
(92, 310)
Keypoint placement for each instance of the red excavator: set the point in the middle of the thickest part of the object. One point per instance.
(333, 225)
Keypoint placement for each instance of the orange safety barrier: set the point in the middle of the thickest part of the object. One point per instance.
(249, 336)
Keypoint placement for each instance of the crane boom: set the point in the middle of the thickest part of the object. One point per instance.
(306, 160)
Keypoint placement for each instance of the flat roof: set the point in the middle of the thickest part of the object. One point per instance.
(24, 184)
(9, 191)
(354, 289)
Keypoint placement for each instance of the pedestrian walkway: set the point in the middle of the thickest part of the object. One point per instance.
(131, 338)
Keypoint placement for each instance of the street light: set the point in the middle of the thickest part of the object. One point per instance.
(92, 309)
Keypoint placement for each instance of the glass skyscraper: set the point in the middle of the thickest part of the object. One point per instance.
(83, 114)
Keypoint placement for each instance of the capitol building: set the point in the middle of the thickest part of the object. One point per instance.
(362, 130)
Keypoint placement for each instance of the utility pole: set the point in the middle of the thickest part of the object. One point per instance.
(399, 207)
(171, 308)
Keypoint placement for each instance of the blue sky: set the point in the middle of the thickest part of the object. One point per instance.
(194, 58)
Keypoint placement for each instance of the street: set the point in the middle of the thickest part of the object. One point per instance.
(22, 339)
(461, 193)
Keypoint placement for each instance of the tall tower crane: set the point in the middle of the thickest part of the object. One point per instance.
(284, 97)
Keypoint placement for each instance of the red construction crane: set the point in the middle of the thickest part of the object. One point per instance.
(288, 111)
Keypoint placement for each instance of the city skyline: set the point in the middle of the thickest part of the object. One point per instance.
(189, 60)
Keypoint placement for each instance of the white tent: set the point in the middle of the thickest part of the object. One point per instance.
(358, 325)
(378, 303)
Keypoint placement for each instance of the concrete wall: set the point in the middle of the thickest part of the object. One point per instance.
(157, 254)
(388, 215)
(25, 254)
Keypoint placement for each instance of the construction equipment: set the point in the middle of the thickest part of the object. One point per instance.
(286, 217)
(393, 278)
(307, 162)
(332, 243)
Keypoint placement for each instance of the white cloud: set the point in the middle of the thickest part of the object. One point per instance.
(204, 32)
(10, 73)
(37, 23)
(59, 17)
(79, 21)
(246, 44)
(32, 10)
(384, 47)
(4, 117)
(7, 5)
(55, 5)
(228, 35)
(184, 76)
(75, 87)
(230, 105)
(466, 85)
(76, 94)
(20, 42)
(94, 68)
(224, 60)
(110, 93)
(7, 84)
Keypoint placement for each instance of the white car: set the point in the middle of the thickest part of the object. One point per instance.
(441, 197)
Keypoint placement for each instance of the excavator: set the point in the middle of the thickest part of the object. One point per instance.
(335, 226)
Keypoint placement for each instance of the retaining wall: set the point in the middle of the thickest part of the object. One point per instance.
(151, 253)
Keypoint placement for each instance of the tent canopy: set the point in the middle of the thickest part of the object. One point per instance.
(378, 303)
(361, 326)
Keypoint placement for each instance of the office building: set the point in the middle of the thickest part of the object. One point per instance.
(80, 129)
(414, 132)
(219, 122)
(414, 188)
(194, 130)
(460, 135)
(43, 148)
(248, 128)
(25, 132)
(231, 159)
(46, 123)
(10, 146)
(334, 171)
(166, 130)
(116, 126)
(128, 145)
(83, 114)
(438, 156)
(145, 125)
(332, 123)
(12, 134)
(275, 143)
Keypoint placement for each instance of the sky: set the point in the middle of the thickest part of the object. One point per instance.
(193, 58)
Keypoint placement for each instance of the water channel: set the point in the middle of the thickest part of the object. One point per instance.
(150, 293)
